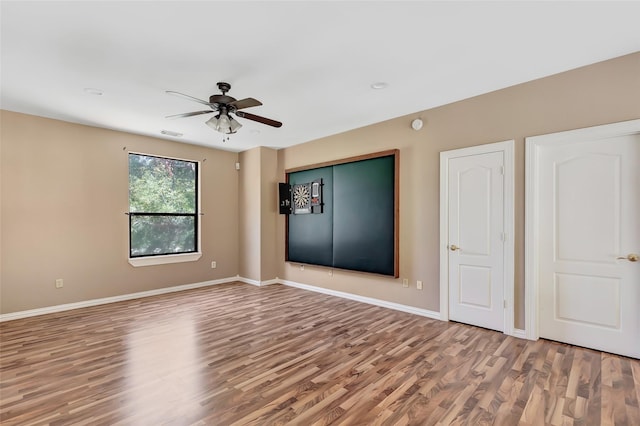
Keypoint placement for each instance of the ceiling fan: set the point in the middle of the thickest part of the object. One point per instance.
(225, 105)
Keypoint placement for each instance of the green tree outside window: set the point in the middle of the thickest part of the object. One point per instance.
(163, 205)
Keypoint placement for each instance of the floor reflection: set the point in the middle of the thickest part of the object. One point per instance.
(163, 379)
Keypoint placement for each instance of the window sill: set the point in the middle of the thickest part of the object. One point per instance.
(163, 260)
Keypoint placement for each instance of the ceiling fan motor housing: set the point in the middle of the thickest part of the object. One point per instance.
(224, 87)
(221, 99)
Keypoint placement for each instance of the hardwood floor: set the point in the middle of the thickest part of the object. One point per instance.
(235, 354)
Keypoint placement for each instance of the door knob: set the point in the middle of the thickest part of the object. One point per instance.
(631, 257)
(454, 247)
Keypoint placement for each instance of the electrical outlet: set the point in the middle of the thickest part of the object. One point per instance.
(302, 267)
(214, 264)
(330, 272)
(59, 283)
(419, 285)
(405, 282)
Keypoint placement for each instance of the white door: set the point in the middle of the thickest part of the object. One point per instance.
(589, 237)
(476, 231)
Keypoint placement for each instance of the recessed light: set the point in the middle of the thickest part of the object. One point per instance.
(93, 91)
(171, 133)
(379, 85)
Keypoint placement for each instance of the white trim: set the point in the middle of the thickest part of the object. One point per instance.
(257, 283)
(369, 300)
(161, 260)
(531, 261)
(531, 234)
(112, 299)
(510, 230)
(248, 281)
(96, 302)
(507, 148)
(172, 258)
(519, 333)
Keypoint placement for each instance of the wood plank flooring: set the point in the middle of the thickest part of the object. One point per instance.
(235, 354)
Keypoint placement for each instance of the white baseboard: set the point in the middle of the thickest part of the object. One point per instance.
(371, 301)
(519, 333)
(256, 282)
(95, 302)
(248, 281)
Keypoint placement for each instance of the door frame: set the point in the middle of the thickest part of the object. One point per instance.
(533, 145)
(507, 148)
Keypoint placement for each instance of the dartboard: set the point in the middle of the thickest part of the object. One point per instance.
(301, 196)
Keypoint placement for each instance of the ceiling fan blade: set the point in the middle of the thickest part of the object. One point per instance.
(188, 114)
(259, 119)
(246, 103)
(191, 98)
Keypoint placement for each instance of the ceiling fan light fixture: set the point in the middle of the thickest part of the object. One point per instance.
(213, 123)
(223, 123)
(234, 125)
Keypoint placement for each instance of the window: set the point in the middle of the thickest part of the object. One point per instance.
(163, 206)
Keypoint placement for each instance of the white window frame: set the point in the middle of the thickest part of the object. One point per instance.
(168, 258)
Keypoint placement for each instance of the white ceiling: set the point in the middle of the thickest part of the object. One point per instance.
(310, 63)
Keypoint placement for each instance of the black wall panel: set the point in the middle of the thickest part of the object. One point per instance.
(357, 229)
(310, 235)
(363, 216)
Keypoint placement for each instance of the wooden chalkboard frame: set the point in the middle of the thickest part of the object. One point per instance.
(396, 202)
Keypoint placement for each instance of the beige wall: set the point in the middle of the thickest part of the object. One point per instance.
(64, 195)
(601, 93)
(269, 213)
(258, 214)
(249, 211)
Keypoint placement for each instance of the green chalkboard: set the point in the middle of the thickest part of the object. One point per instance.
(358, 227)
